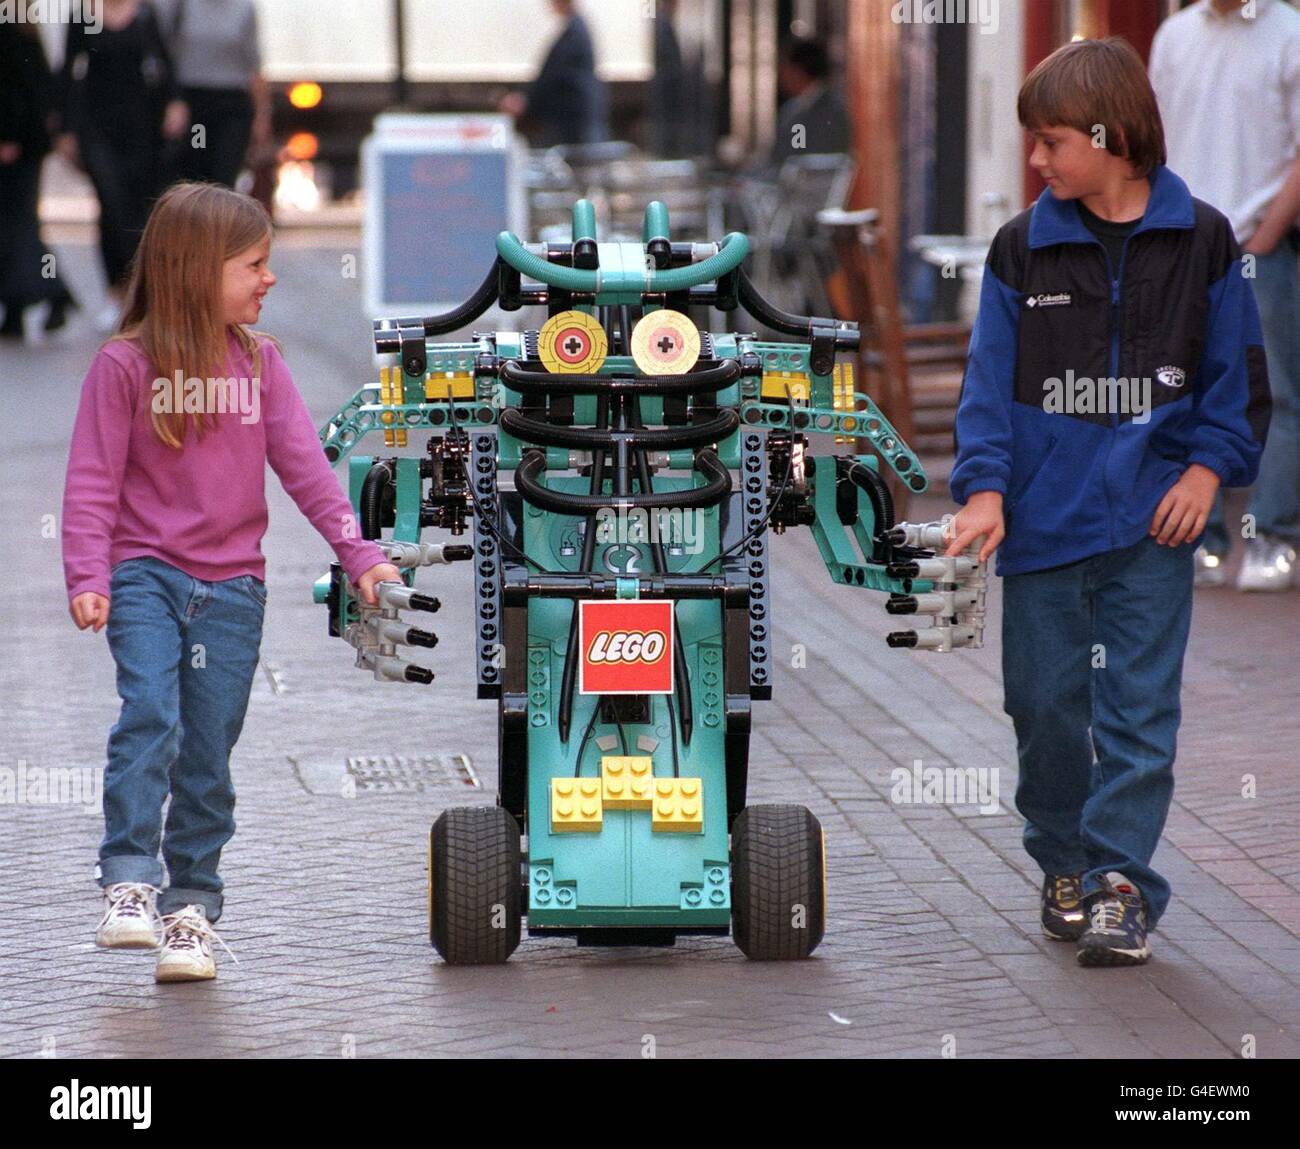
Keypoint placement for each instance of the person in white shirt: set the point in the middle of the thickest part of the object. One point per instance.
(1227, 77)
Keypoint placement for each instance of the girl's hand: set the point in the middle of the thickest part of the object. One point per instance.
(982, 515)
(380, 572)
(1183, 511)
(89, 609)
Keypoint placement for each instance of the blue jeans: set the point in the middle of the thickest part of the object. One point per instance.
(1275, 501)
(186, 651)
(1096, 743)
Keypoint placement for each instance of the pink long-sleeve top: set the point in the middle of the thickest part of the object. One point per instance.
(203, 508)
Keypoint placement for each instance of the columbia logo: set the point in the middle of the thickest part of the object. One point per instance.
(1171, 376)
(1057, 300)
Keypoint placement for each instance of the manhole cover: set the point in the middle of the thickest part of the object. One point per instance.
(386, 774)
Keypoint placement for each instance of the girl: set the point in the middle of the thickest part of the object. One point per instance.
(163, 514)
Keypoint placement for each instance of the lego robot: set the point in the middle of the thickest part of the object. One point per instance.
(620, 474)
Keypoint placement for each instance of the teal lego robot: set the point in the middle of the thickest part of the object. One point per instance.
(616, 477)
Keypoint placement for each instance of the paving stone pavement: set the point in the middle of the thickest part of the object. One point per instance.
(932, 946)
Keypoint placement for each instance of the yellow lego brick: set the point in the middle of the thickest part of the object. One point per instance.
(678, 805)
(575, 805)
(775, 383)
(626, 782)
(458, 383)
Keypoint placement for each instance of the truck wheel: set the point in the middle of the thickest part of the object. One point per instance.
(778, 882)
(474, 894)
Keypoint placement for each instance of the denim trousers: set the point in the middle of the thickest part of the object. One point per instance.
(1275, 501)
(1092, 663)
(186, 651)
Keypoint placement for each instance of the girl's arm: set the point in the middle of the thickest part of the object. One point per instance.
(101, 438)
(293, 449)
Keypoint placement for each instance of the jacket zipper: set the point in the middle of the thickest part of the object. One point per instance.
(1114, 374)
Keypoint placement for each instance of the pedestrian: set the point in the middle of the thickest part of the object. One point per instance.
(214, 47)
(1237, 143)
(163, 515)
(122, 120)
(28, 272)
(566, 103)
(1116, 378)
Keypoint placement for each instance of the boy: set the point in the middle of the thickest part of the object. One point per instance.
(1116, 378)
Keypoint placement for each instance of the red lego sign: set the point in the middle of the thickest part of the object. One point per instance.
(627, 646)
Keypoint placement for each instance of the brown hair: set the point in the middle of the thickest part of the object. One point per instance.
(1091, 82)
(173, 299)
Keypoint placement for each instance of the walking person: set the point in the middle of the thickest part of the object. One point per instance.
(1095, 498)
(28, 272)
(122, 117)
(214, 48)
(1236, 140)
(163, 515)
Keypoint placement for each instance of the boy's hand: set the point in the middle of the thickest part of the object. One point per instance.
(380, 572)
(1183, 511)
(89, 609)
(982, 515)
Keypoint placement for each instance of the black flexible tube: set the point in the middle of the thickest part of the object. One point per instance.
(638, 438)
(378, 480)
(846, 339)
(711, 378)
(386, 339)
(535, 492)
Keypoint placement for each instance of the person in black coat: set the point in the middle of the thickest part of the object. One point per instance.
(123, 121)
(28, 273)
(567, 102)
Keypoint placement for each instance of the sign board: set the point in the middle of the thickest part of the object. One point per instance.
(438, 190)
(627, 646)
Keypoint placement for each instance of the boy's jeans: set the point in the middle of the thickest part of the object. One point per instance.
(186, 651)
(1275, 501)
(1131, 608)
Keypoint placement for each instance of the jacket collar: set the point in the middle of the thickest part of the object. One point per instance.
(1057, 221)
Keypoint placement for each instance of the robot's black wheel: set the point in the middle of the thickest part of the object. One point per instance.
(778, 882)
(474, 892)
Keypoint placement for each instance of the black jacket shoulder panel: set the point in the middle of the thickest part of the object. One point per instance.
(1215, 232)
(1007, 254)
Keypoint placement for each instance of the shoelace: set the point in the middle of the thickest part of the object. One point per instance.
(185, 931)
(130, 900)
(1066, 892)
(1107, 914)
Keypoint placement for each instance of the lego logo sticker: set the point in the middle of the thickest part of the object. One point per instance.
(627, 646)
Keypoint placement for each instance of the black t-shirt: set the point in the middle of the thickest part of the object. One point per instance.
(1111, 234)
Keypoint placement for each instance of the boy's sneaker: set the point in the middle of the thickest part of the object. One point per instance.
(1063, 917)
(130, 917)
(1268, 564)
(1210, 569)
(1117, 931)
(186, 953)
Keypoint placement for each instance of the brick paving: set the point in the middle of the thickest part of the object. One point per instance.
(932, 945)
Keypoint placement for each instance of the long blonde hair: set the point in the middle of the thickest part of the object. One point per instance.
(173, 300)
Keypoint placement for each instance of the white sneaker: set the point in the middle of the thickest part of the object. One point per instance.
(186, 953)
(1267, 565)
(129, 917)
(1211, 569)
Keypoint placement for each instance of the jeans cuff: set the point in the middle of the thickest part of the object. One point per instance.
(178, 897)
(129, 868)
